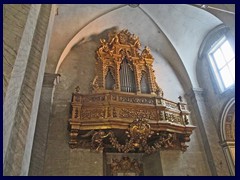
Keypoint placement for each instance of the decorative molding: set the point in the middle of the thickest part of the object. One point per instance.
(120, 46)
(117, 121)
(126, 166)
(227, 108)
(50, 79)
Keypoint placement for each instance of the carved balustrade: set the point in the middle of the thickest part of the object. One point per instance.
(126, 109)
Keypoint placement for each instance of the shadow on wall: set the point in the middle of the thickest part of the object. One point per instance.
(96, 37)
(79, 66)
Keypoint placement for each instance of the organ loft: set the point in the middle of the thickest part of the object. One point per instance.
(126, 110)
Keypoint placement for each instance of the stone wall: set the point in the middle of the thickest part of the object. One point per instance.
(152, 164)
(25, 49)
(42, 125)
(78, 69)
(14, 20)
(214, 101)
(24, 88)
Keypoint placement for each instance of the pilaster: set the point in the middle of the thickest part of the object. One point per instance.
(42, 125)
(210, 139)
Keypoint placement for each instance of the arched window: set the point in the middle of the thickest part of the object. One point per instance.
(217, 48)
(222, 60)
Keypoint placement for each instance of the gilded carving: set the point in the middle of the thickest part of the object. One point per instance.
(97, 140)
(92, 113)
(141, 100)
(96, 110)
(89, 99)
(171, 105)
(104, 48)
(94, 84)
(137, 113)
(122, 45)
(138, 134)
(108, 119)
(146, 53)
(162, 116)
(125, 166)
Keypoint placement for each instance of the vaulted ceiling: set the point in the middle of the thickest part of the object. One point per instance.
(174, 32)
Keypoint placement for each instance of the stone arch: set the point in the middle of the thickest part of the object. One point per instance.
(227, 132)
(208, 80)
(84, 32)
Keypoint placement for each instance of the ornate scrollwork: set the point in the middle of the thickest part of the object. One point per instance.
(104, 48)
(146, 53)
(97, 140)
(138, 133)
(137, 113)
(125, 165)
(94, 84)
(142, 100)
(109, 111)
(139, 119)
(124, 45)
(93, 113)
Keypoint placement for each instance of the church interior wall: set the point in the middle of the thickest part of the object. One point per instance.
(55, 157)
(15, 17)
(79, 69)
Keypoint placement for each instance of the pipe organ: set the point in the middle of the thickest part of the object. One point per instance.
(126, 110)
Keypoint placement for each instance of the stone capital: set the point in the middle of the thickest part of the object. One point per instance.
(196, 93)
(51, 79)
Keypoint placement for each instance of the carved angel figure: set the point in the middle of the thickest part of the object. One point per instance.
(97, 139)
(146, 53)
(115, 166)
(168, 141)
(104, 47)
(136, 167)
(94, 84)
(158, 91)
(115, 39)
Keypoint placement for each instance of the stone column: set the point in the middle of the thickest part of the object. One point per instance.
(208, 130)
(42, 125)
(23, 94)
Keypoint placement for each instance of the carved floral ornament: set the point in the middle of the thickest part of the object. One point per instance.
(126, 110)
(125, 165)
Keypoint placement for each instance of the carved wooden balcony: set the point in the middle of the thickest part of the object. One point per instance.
(115, 111)
(126, 110)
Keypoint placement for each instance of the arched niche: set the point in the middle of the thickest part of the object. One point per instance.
(144, 83)
(109, 79)
(227, 129)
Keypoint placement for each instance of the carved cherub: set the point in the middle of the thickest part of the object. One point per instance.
(115, 39)
(168, 141)
(94, 84)
(158, 91)
(136, 42)
(146, 53)
(114, 166)
(104, 47)
(136, 167)
(97, 139)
